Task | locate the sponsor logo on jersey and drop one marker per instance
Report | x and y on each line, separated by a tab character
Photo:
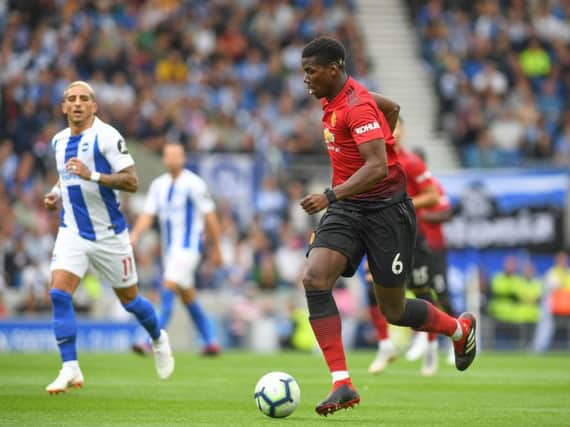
367	127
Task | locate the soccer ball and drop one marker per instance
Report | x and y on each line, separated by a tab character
277	394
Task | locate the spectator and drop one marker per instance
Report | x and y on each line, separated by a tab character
484	153
515	299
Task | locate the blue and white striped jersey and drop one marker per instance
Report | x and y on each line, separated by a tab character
90	209
180	206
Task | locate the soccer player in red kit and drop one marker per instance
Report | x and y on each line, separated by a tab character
368	212
426	194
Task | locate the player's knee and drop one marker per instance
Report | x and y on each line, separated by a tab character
314	282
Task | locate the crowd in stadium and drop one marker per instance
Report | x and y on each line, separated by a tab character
224	76
501	71
218	76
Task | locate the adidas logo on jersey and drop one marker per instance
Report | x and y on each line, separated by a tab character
367	127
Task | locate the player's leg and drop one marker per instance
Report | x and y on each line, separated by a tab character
115	262
386	350
324	267
419	283
179	274
167	299
390	260
201	321
69	264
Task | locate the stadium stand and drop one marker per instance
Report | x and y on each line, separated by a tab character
501	72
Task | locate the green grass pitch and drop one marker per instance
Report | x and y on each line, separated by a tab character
122	390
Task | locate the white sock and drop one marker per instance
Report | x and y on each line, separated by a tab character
458	334
339	375
73	364
385	344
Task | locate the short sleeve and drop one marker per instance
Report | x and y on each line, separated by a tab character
115	151
151	202
202	197
363	121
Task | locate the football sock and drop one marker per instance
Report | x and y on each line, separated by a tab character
167	298
378	319
326	325
144	312
379	322
201	321
423	316
64	325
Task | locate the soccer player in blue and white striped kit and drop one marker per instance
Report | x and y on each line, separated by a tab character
185	210
93	163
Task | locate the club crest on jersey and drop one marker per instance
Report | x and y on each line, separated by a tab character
122	146
329	136
367	127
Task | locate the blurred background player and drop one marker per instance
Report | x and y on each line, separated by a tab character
184	207
425	194
93	162
368	212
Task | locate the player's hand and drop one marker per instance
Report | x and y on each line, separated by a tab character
314	203
76	167
134	239
50	201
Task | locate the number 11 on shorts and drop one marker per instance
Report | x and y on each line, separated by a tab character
127	267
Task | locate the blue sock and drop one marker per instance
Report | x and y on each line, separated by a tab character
145	314
167	298
202	322
64	326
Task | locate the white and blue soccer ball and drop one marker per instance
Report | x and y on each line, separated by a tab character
277	394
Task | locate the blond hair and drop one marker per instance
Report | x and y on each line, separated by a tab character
79	83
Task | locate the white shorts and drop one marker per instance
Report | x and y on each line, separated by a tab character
112	258
180	267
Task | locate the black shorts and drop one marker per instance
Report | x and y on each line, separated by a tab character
385	233
438	267
422	274
430	268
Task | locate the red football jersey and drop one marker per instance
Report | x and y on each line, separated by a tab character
433	232
352	118
418	175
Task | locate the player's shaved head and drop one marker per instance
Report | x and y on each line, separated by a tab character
82	84
325	50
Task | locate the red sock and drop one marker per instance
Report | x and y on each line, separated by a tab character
379	322
432	336
327	330
438	321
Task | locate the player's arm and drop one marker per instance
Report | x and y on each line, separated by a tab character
389	108
51	198
436	217
374	169
427	198
213	235
143	223
125	180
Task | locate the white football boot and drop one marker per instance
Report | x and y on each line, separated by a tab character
68	377
163	359
418	347
431	359
386	354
